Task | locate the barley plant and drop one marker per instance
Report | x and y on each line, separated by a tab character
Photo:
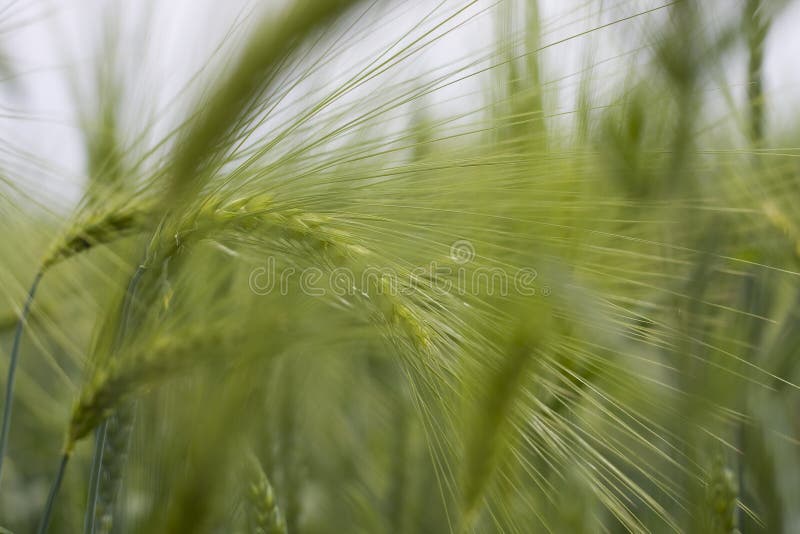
335	266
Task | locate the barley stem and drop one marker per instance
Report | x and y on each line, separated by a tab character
12	369
94	477
757	28
51	498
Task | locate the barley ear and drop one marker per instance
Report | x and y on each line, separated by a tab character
489	424
93	231
722	495
263	514
135	371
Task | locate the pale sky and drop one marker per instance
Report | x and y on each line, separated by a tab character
51	43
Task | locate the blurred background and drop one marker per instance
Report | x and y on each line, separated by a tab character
637	160
53	52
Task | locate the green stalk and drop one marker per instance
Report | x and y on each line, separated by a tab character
757	28
51	498
94	478
12	369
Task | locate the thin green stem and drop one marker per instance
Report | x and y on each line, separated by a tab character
12	369
757	28
94	478
51	498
